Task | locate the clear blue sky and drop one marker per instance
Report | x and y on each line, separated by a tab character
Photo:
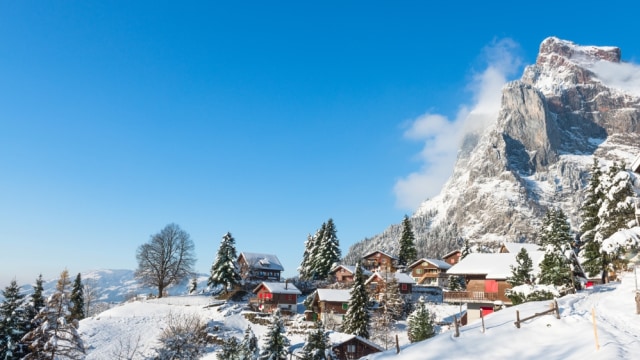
264	119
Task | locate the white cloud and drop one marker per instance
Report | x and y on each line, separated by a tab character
442	136
625	76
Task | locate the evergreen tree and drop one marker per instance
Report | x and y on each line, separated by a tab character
224	270
590	219
420	323
55	337
306	266
408	253
457	283
555	239
37	298
466	249
77	300
356	320
316	344
275	341
193	285
14	323
522	273
230	350
328	253
249	348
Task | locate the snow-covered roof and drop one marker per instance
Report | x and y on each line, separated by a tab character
493	265
517	247
351	269
437	263
381	252
334	295
337	338
262	261
402	278
279	288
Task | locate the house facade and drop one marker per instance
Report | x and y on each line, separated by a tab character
347	347
329	306
453	257
380	261
377	282
273	295
429	272
259	267
486	281
344	274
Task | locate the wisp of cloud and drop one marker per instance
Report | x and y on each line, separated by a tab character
442	136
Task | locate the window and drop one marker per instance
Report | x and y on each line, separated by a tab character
419	271
351	348
345	306
403	286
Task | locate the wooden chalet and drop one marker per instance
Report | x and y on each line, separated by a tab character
515	248
486	281
380	261
345	273
272	295
347	347
259	267
429	272
453	257
378	280
329	306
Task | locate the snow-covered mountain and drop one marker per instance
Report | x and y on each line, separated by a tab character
575	103
116	286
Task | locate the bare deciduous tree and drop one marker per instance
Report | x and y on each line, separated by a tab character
166	259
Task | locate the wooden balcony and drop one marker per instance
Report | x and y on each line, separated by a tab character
472	297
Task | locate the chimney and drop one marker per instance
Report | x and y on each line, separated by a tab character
286	284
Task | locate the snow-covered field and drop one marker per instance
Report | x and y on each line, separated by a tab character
545	337
572	337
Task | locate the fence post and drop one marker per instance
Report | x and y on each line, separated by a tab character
637	302
397	345
555	305
482	318
595	328
518	319
455	325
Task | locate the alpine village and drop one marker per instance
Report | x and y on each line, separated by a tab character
476	250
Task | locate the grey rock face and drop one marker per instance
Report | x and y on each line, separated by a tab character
537	155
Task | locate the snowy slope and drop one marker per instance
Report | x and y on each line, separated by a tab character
545	337
570	337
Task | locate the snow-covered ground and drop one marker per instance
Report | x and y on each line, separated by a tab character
570	337
545	337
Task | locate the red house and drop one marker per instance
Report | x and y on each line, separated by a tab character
272	295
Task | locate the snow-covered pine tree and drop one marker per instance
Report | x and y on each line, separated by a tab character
224	270
407	253
316	344
275	341
306	266
55	337
230	350
466	249
456	283
356	320
249	349
522	273
420	323
328	253
37	298
77	300
555	238
589	211
14	323
193	286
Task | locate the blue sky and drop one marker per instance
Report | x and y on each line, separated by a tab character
262	119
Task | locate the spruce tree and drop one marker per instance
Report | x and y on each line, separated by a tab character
14	323
328	253
275	340
306	266
522	273
408	253
230	350
77	300
590	219
420	323
555	239
249	349
193	286
466	249
356	320
55	337
224	270
316	344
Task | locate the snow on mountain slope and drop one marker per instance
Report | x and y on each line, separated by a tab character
544	337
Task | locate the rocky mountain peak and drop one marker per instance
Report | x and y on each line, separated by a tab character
555	52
